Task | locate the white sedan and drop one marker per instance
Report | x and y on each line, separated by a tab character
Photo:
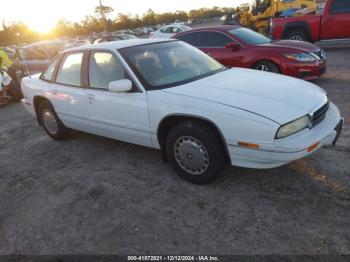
169	31
168	95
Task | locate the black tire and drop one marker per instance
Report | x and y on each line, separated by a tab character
210	144
267	66
61	132
298	36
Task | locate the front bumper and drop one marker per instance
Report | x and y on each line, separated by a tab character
28	106
292	148
306	71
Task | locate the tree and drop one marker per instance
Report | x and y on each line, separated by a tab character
124	21
103	11
18	32
92	24
63	28
149	18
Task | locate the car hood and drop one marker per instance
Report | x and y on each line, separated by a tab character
296	46
276	97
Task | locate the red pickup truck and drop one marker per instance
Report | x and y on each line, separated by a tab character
334	23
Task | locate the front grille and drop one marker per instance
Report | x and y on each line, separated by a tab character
319	115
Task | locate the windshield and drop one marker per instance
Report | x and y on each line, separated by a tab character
249	36
167	64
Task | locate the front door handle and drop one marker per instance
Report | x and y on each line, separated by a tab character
90	98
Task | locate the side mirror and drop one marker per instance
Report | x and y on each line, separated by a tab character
232	45
120	86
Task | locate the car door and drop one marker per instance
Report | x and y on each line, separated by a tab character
214	44
192	38
123	116
66	92
336	23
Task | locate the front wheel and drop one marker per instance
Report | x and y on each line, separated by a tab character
51	123
297	36
267	66
196	152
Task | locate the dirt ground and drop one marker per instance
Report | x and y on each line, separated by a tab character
91	195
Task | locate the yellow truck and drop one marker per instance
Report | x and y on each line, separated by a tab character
259	14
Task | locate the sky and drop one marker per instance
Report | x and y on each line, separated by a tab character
42	15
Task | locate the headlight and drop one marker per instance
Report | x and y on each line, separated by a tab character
303	57
271	29
271	25
293	127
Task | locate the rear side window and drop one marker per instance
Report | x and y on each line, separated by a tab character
70	70
340	6
249	36
48	74
191	38
214	39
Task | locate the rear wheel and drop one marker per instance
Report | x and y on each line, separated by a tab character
297	36
51	123
267	66
196	152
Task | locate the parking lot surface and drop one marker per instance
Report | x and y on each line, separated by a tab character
92	195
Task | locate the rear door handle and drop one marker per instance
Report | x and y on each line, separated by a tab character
54	92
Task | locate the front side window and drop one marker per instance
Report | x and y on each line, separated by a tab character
340	6
191	38
249	36
48	74
167	64
214	39
70	70
178	30
167	30
104	68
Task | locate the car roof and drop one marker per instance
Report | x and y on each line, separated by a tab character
44	43
216	28
119	44
172	25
